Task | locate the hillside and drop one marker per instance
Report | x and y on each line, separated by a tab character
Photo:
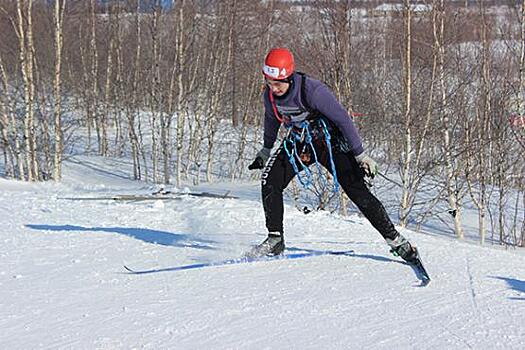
63	285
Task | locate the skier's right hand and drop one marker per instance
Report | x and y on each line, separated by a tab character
260	159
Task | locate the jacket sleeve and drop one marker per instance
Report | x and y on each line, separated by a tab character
271	124
323	100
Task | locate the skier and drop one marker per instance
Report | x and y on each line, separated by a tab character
306	106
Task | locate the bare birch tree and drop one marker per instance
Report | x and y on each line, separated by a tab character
10	129
103	117
479	133
231	61
58	19
519	132
181	46
133	113
26	47
92	112
408	151
521	108
4	131
452	185
155	92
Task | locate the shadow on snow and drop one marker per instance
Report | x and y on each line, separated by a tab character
143	234
292	253
515	284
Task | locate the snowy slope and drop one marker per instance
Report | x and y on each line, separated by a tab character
63	285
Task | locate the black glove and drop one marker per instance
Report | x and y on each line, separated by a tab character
256	164
260	159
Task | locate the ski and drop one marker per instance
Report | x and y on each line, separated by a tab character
300	253
420	271
122	198
200	265
164	195
163	192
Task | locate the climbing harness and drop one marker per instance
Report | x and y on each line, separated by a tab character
301	135
299	142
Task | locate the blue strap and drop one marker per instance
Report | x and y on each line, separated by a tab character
306	179
319	171
329	146
305	136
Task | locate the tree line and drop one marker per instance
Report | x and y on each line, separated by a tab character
438	94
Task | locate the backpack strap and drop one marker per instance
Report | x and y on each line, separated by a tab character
304	101
314	113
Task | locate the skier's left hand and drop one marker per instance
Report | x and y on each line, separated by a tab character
368	165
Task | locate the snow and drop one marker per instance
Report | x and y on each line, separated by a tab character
63	284
401	7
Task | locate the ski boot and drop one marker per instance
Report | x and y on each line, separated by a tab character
271	246
400	246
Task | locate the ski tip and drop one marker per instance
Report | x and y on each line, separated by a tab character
128	269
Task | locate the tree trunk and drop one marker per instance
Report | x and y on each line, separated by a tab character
408	151
521	104
451	178
24	10
180	110
58	21
230	62
108	94
484	131
133	112
6	145
93	103
11	127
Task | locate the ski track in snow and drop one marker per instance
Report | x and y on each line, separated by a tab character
63	285
471	288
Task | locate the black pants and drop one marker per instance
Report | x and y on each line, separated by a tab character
279	172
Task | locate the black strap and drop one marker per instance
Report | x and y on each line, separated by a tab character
304	101
315	114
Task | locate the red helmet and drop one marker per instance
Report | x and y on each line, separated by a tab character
279	64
